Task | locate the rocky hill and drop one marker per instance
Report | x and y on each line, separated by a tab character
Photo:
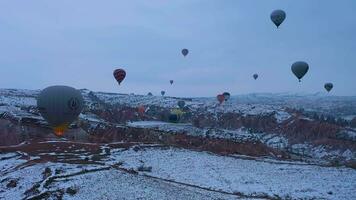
258	146
279	126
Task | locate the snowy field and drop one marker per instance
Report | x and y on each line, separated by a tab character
244	176
156	172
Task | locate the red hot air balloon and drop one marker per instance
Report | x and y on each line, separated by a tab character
119	75
141	110
221	98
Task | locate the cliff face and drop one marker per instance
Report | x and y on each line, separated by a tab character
249	129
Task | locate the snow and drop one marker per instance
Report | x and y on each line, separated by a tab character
348	155
18	97
347	135
349	117
8	161
127	186
249	177
321	152
147	124
233	105
91	117
281	116
274	140
249	104
26	178
179	174
237	135
136	100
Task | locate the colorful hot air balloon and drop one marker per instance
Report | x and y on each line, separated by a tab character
163	92
141	110
328	86
181	104
60	106
255	76
171	82
119	75
299	69
185	52
226	96
277	17
220	98
175	115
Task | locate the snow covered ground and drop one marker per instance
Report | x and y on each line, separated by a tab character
238	135
155	172
12	100
210	104
248	177
249	104
277	141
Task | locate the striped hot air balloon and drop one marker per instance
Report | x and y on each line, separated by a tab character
119	75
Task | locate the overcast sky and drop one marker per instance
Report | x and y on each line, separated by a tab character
79	43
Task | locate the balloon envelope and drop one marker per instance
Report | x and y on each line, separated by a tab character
299	69
60	106
185	52
171	82
255	76
328	86
149	94
181	104
175	115
277	17
220	98
119	75
162	93
141	110
226	96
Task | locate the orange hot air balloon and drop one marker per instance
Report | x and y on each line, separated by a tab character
59	130
119	75
141	110
221	98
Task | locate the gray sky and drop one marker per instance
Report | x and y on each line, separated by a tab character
79	43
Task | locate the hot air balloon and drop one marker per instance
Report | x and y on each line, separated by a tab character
221	98
277	17
119	75
149	94
175	115
171	82
328	86
185	52
181	104
141	110
255	76
60	106
299	69
226	96
163	92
